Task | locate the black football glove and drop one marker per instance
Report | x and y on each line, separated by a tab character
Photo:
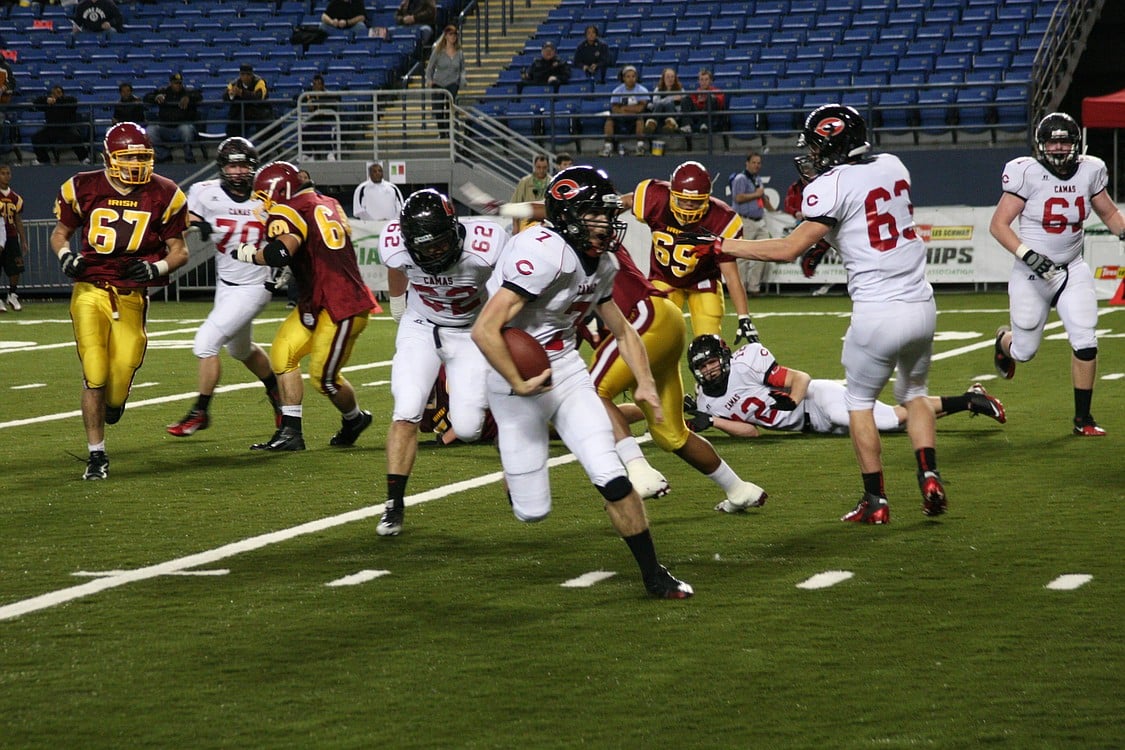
705	243
746	331
699	421
72	265
204	229
782	401
690	407
1044	267
141	270
812	257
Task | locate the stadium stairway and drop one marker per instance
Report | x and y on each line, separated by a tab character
501	48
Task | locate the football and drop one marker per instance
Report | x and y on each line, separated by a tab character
528	354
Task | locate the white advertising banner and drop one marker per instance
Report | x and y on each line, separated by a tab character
365	239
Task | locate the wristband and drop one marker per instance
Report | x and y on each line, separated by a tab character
275	253
162	267
398	306
1022	251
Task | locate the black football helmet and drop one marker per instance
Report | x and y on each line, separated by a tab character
703	349
237	151
834	134
575	193
430	230
1058	127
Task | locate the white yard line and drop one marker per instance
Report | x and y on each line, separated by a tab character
1069	582
826	579
586	580
362	576
116	579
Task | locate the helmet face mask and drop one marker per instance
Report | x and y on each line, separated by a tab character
833	134
1058	144
237	158
709	360
128	154
690	189
430	230
276	182
582	206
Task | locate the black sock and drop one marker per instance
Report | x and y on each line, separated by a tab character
954	404
873	484
927	459
1082	399
396	488
645	552
203	402
270	383
288	421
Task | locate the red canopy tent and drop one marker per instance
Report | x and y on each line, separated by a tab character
1106	111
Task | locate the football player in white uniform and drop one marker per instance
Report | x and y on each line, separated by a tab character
437	269
739	392
547	280
224	210
861	204
1052	194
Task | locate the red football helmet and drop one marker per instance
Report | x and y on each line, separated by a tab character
128	154
276	182
691	192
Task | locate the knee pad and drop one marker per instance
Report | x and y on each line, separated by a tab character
1089	354
617	489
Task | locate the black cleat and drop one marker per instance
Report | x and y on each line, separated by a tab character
97	466
664	585
285	439
350	431
113	413
391	522
982	403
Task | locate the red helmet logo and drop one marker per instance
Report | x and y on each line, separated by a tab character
829	127
563	189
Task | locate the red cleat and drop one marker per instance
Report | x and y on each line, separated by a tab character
871	509
933	493
189	425
1087	427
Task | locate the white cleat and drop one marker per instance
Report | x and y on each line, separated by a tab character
747	495
647	481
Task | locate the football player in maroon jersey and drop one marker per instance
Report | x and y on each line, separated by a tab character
685	203
132	237
309	232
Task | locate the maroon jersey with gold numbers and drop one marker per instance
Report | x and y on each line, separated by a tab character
328	275
121	227
11	204
673	263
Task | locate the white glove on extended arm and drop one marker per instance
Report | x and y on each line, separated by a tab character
247	253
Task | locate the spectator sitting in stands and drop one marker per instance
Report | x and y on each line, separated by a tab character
248	111
420	13
318	134
129	107
666	103
562	161
177	113
703	103
344	15
629	98
61	112
547	69
7	125
97	16
592	56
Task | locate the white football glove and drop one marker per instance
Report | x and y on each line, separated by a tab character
246	253
1043	266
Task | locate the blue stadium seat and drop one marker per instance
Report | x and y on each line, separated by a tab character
896	34
974	108
782	112
915	64
934	112
1011	108
894	110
